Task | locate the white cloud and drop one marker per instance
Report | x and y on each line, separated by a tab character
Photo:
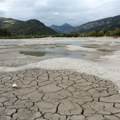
56	13
60	11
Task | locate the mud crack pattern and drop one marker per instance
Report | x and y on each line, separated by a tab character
57	95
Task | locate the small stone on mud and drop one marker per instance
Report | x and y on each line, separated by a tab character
14	85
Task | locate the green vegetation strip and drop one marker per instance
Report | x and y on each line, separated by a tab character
105	50
33	53
90	46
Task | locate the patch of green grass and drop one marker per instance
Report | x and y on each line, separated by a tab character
105	50
90	46
33	53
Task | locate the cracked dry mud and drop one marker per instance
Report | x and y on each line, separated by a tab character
57	95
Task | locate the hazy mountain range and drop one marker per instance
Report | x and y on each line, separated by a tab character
35	27
106	23
65	28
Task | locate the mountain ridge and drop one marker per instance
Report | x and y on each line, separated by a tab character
105	23
34	27
109	23
29	27
65	28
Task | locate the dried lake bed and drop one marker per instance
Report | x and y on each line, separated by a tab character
96	56
60	79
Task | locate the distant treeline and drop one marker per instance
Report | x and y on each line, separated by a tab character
4	33
100	33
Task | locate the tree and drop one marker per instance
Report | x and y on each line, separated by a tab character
4	33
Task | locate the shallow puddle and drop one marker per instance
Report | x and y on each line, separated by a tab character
54	53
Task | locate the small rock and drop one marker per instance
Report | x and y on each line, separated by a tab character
14	85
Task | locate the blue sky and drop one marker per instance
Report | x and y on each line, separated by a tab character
58	12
